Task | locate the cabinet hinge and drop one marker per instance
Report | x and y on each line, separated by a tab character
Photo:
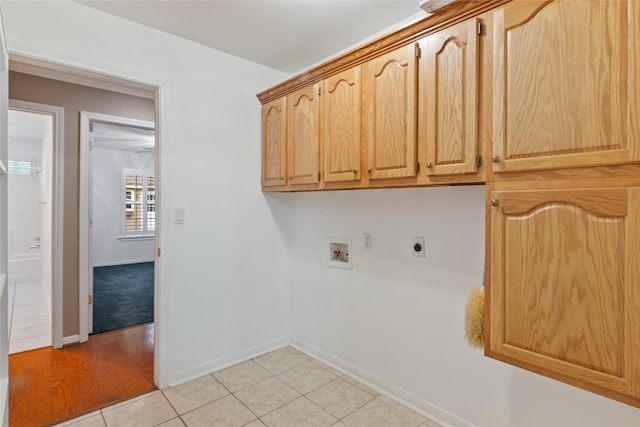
418	50
417	166
480	28
90	222
478	161
90	299
90	145
319	90
158	251
319	176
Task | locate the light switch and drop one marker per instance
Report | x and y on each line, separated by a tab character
179	216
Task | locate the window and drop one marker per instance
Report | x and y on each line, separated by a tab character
20	167
139	217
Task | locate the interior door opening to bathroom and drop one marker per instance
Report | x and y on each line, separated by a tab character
32	232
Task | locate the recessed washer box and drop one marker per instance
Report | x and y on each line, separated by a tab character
339	252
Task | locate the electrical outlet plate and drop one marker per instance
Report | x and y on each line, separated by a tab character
417	246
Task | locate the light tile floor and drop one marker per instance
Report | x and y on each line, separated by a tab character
29	318
282	388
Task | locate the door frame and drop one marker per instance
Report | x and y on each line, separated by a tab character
57	226
101	75
85	291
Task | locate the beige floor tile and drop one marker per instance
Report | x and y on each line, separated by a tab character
255	423
225	412
300	412
307	377
242	375
340	398
334	371
176	422
267	395
196	393
361	385
281	360
94	419
148	410
379	413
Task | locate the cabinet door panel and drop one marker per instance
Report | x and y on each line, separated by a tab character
563	99
564	268
274	143
341	126
449	99
303	135
390	115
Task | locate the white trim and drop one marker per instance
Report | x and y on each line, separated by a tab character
22	53
226	361
86	203
71	339
427	409
57	231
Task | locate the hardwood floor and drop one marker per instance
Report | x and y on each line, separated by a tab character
48	385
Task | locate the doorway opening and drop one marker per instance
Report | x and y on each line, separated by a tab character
34	226
118	172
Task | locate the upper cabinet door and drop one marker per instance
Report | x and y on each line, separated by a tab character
341	127
303	135
390	114
274	144
448	96
566	84
565	268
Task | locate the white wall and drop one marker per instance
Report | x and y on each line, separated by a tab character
107	207
224	274
24	195
397	321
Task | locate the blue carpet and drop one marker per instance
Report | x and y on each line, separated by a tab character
122	296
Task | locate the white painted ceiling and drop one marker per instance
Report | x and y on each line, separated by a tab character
289	36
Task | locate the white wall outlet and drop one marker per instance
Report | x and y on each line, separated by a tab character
367	241
417	246
179	216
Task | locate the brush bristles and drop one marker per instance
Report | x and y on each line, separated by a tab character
474	319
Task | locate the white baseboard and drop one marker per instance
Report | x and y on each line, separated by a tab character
72	339
226	361
412	401
123	262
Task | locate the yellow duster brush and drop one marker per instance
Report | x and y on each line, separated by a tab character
474	318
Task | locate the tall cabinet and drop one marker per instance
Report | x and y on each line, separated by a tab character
564	202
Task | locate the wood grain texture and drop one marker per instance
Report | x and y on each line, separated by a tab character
452	14
48	385
341	133
562	99
274	118
389	119
448	99
303	136
563	272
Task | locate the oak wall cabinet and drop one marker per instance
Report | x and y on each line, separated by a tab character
303	136
341	136
274	134
390	108
448	97
566	84
564	298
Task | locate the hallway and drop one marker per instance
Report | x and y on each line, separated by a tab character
49	385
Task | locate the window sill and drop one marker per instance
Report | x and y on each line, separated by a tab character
136	237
